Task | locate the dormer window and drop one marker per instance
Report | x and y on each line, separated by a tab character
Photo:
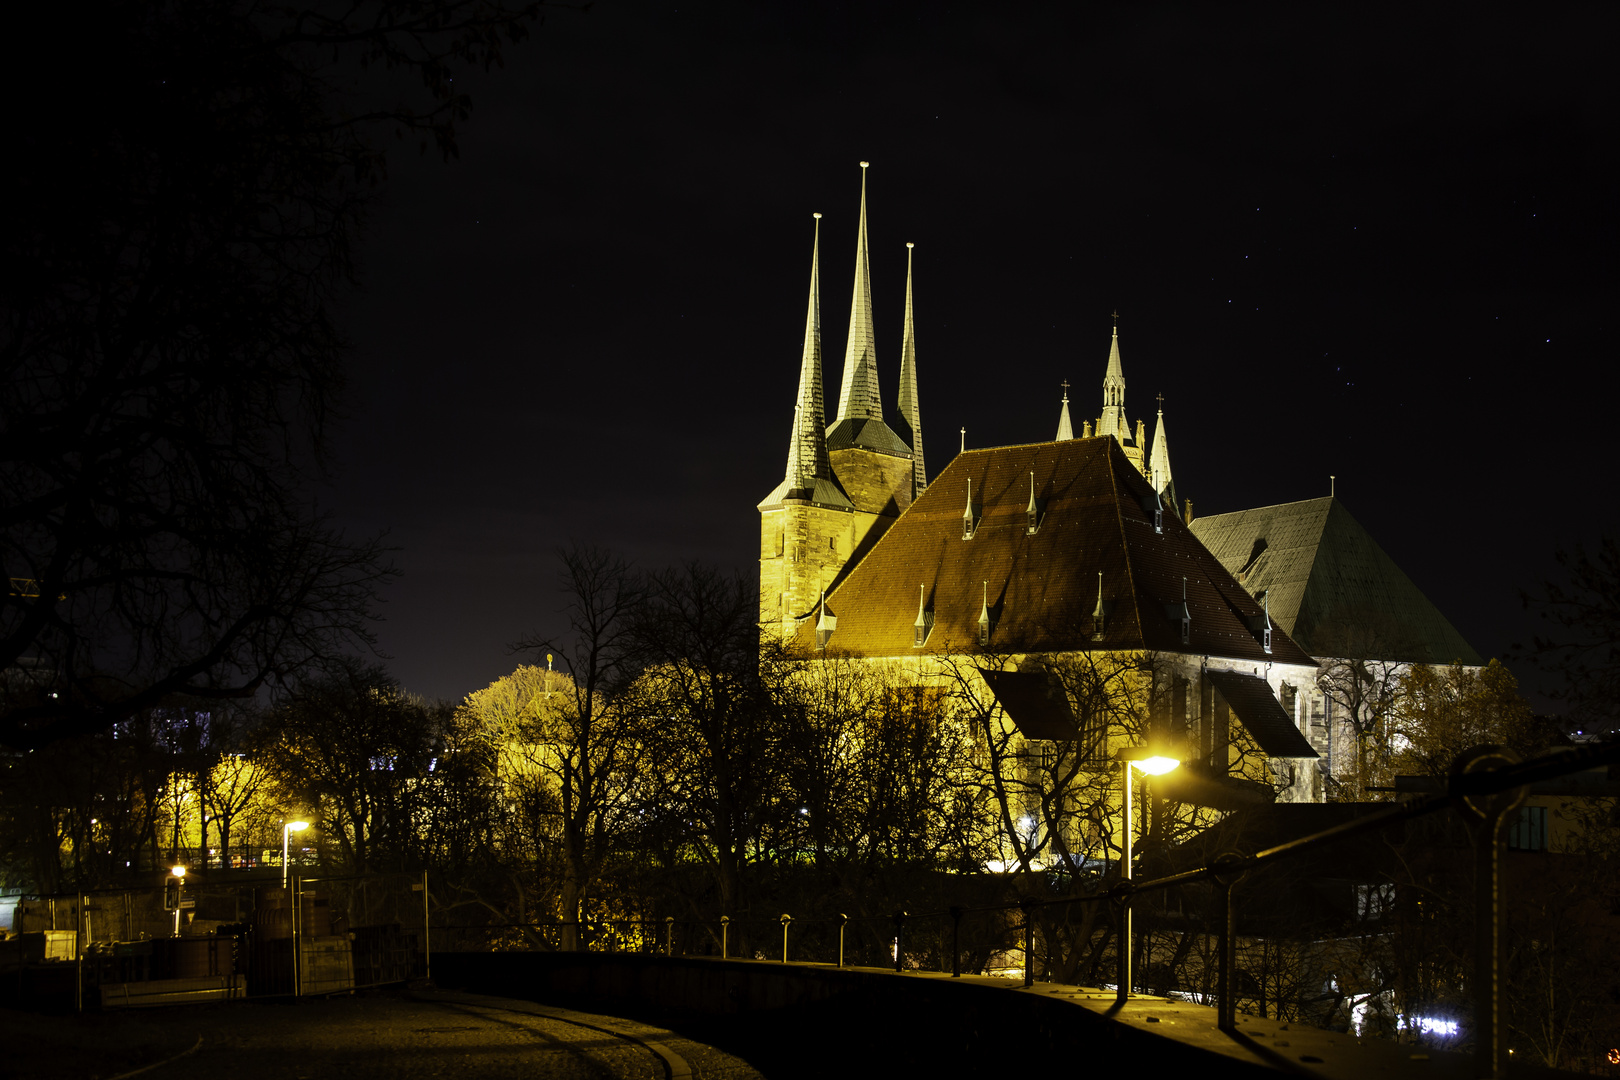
1032	513
970	517
1179	612
1153	506
925	620
984	617
1265	639
1099	615
825	625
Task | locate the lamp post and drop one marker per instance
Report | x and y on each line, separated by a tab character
1136	757
286	830
177	884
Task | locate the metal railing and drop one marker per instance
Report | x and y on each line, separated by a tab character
1485	785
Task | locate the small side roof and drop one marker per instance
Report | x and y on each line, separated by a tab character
1036	702
1251	698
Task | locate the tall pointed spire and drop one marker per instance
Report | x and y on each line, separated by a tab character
1112	421
910	410
1065	428
807	453
858	396
1161	459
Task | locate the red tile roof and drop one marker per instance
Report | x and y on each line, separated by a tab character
1096	515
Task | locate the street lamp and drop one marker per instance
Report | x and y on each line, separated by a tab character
1150	764
286	830
172	892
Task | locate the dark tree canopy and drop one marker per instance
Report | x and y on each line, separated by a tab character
185	186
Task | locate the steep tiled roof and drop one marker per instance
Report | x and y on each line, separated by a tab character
1324	570
1096	515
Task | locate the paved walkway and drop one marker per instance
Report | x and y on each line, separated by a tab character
422	1035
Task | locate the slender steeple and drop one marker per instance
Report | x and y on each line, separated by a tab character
809	469
910	411
858	396
1161	459
1112	421
1065	428
807	453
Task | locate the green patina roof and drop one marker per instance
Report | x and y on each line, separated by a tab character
1332	588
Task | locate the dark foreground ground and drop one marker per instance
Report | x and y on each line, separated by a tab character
395	1034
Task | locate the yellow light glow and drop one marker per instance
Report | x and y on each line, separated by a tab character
297	826
1156	766
178	871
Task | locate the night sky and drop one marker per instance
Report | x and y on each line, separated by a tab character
1373	245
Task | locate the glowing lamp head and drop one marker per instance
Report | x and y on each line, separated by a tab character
297	826
1156	766
178	871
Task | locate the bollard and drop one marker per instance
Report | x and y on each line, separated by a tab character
1487	814
843	921
669	935
899	941
956	941
725	925
786	919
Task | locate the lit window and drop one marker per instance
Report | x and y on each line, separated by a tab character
1529	830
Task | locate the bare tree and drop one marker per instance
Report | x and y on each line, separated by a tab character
589	739
1365	654
178	220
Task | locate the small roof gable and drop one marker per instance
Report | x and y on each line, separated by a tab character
1328	580
1251	698
1095	514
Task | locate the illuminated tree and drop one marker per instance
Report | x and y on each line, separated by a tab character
587	739
713	725
1441	711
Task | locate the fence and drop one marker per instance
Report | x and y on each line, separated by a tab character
1001	938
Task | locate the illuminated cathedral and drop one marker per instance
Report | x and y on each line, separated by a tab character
1076	544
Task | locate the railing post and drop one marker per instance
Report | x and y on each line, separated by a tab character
669	935
899	941
786	919
843	921
1226	948
1487	814
725	926
1029	941
956	941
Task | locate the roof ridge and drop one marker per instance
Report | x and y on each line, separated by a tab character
1273	506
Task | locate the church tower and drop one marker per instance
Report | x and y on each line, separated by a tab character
908	419
808	518
845	483
1160	476
872	463
1112	421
